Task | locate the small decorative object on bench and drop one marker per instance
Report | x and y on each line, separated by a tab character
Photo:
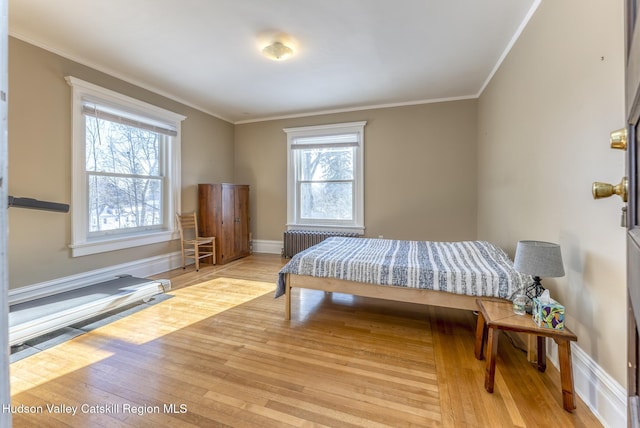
547	312
520	304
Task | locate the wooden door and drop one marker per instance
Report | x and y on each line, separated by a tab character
632	104
5	397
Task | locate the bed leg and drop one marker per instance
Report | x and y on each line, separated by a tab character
287	299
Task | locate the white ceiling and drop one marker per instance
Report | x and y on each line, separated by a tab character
350	54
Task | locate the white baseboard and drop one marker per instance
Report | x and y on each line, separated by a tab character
605	397
139	268
268	247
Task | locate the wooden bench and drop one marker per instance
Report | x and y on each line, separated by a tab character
495	316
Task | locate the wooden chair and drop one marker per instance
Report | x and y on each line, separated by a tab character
194	246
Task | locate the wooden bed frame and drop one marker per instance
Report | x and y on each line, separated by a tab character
398	294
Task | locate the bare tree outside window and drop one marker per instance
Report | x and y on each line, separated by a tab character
326	183
123	170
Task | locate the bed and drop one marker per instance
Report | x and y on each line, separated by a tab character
449	274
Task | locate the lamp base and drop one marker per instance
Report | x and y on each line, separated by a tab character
533	290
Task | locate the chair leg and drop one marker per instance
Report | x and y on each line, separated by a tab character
184	266
197	254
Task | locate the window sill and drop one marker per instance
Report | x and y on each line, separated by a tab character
120	243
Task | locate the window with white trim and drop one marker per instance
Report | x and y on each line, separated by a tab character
325	177
125	171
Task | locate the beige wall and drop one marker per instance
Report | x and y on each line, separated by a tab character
420	170
544	123
40	159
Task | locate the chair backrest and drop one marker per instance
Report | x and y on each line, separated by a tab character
188	225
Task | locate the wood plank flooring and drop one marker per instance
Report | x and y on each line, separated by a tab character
219	353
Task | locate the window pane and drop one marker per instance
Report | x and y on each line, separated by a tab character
124	203
326	164
121	149
326	201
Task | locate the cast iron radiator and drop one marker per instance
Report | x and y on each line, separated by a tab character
298	240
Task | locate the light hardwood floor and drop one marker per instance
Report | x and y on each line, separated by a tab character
219	353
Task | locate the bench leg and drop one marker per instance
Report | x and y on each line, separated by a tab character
542	353
481	335
492	349
566	374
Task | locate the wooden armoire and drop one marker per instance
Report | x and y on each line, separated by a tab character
223	212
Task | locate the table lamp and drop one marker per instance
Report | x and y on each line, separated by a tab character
538	259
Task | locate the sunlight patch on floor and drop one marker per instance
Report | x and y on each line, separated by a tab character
52	363
188	306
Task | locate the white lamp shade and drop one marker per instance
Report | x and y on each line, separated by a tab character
538	258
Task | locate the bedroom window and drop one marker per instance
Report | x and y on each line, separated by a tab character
325	189
126	171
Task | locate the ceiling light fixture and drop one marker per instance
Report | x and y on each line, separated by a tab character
277	51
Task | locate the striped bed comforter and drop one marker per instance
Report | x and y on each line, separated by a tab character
474	268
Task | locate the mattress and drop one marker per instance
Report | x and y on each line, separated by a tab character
473	268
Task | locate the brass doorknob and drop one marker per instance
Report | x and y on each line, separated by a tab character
618	139
604	190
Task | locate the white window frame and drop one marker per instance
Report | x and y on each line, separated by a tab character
293	220
81	242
